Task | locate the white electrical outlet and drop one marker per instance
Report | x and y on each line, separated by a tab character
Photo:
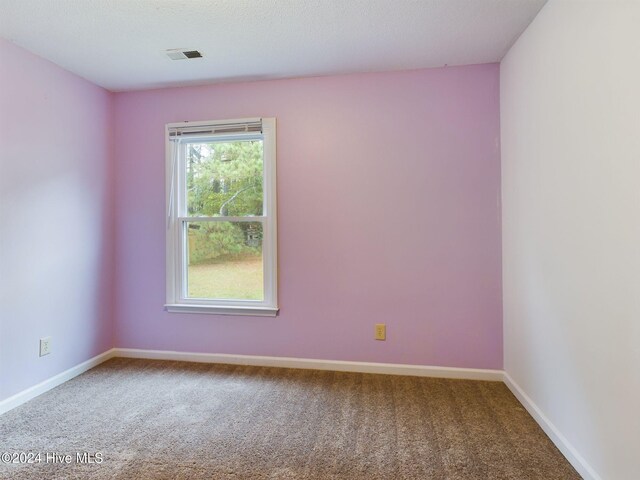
45	346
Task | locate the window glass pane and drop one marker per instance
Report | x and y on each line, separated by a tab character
224	178
225	260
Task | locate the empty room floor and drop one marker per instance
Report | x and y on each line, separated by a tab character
174	420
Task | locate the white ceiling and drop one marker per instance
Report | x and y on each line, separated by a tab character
120	44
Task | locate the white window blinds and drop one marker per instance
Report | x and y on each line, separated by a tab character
253	125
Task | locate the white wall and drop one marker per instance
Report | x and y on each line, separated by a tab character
570	121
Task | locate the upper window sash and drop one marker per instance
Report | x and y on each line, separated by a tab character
179	184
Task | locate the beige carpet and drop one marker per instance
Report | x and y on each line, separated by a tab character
170	420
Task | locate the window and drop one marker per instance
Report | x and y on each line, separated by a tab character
221	217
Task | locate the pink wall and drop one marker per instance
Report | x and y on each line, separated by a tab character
56	219
425	259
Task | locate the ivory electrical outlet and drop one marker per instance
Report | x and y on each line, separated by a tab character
381	331
45	346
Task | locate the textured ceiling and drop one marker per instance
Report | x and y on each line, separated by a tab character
120	44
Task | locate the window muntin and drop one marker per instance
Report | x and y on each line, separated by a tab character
221	241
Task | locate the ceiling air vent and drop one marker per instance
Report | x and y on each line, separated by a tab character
182	54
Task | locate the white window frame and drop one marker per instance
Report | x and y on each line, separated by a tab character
177	219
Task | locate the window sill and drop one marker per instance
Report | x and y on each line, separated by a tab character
223	310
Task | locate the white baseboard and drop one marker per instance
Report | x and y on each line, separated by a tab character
313	364
570	453
284	362
42	387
